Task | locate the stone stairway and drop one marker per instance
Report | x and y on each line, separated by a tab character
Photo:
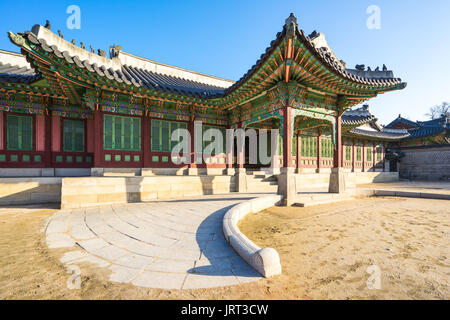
261	181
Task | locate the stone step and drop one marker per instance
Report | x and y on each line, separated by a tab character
260	172
262	188
262	183
262	178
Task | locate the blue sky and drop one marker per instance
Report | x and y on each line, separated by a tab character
225	38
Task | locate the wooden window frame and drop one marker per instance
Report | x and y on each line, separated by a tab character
132	120
20	131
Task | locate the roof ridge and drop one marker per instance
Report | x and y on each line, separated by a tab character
175	67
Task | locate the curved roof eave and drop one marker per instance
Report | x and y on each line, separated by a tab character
105	67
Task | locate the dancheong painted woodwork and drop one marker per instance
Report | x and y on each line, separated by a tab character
64	107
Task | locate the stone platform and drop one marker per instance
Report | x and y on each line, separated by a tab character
167	244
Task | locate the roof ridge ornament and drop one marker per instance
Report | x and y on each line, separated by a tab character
114	51
291	25
16	38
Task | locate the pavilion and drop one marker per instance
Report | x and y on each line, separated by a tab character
67	111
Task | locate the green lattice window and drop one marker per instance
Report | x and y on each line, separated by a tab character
294	145
379	154
121	133
224	138
161	134
309	147
19	134
73	136
358	153
348	153
326	148
369	154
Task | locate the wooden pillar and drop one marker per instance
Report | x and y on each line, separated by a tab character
229	148
287	138
363	156
192	144
146	141
299	152
192	170
374	156
2	135
337	177
337	156
353	155
240	151
319	152
47	141
98	138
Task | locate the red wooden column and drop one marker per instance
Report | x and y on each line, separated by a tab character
98	138
374	156
146	140
48	141
353	155
337	156
319	151
363	156
229	147
240	151
337	177
299	152
287	180
194	153
287	138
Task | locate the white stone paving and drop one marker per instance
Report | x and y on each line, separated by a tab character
166	244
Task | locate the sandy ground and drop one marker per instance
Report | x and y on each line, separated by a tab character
324	250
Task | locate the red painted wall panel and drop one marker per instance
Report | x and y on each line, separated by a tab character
56	134
1	130
40	133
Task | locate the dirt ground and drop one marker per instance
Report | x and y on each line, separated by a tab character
325	251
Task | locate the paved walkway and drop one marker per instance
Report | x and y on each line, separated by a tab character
442	187
168	244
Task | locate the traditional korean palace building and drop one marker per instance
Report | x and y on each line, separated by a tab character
65	110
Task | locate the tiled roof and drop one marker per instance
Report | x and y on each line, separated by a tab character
425	131
323	55
379	134
153	80
422	129
129	74
188	84
430	127
401	120
443	121
358	116
15	69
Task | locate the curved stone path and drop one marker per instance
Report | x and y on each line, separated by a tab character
175	244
